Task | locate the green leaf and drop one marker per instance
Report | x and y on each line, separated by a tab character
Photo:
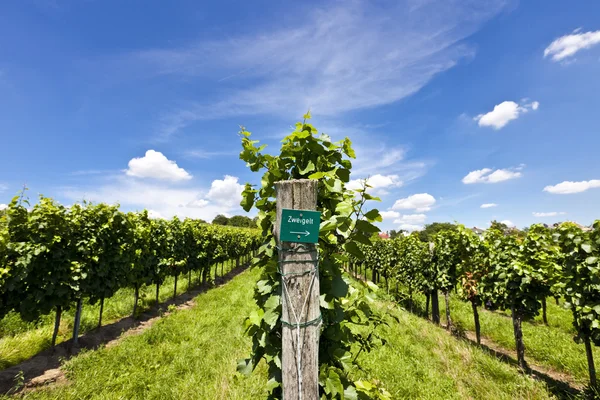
245	366
364	226
339	287
373	216
309	168
333	384
353	249
344	208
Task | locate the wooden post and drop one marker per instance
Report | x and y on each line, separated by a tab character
300	345
77	322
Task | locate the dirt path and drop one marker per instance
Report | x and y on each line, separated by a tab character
44	368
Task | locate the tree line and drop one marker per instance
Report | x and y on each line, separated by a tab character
54	257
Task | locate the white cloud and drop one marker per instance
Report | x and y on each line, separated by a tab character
227	191
3	187
155	214
3	206
389	214
361	56
487	175
567	45
411	219
204	154
165	200
155	165
377	182
419	202
507	223
569	187
503	113
410	227
548	214
199	203
488	205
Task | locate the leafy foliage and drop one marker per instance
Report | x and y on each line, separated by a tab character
52	256
581	282
348	321
430	230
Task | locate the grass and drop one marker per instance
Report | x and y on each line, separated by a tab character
550	346
421	361
192	353
20	340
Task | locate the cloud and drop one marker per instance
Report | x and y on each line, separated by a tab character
203	154
377	182
411	219
361	56
507	223
164	199
389	214
488	205
567	45
410	227
199	203
503	113
3	187
569	187
3	206
487	175
227	192
548	214
419	202
155	214
155	165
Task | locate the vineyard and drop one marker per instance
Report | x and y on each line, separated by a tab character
514	272
54	258
373	341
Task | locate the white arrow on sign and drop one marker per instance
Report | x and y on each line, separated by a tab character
305	233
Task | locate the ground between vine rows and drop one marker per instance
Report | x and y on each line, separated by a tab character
44	367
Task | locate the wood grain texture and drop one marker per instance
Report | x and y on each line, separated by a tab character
300	195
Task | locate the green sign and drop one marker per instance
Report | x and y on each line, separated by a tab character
299	226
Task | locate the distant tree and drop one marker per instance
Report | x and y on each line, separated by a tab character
426	235
396	233
508	230
500	226
240	221
220	220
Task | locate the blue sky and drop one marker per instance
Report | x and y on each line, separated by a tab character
451	105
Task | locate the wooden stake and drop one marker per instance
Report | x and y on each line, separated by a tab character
300	195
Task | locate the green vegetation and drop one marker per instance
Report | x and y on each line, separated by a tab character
241	221
191	354
20	340
549	346
54	259
509	271
345	222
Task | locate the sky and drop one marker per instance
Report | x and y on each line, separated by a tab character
466	111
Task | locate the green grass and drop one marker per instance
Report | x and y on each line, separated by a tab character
421	361
550	346
20	340
192	353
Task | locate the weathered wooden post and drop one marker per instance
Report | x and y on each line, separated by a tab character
298	263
